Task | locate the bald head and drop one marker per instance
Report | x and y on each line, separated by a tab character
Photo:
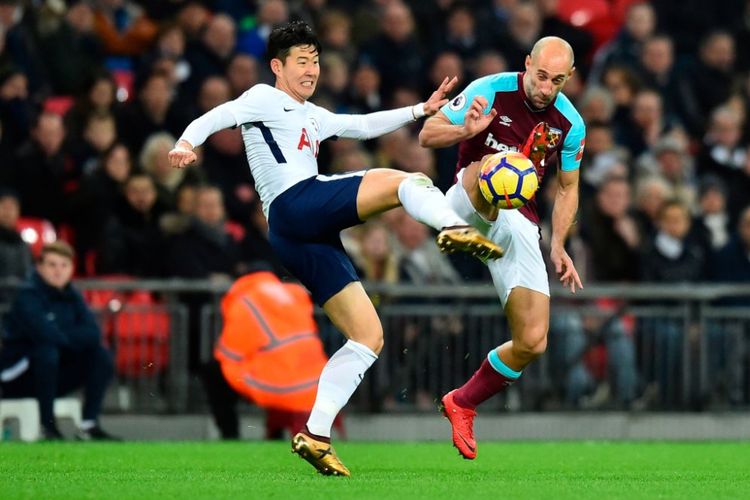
552	47
548	67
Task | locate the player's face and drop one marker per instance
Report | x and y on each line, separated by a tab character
298	75
545	77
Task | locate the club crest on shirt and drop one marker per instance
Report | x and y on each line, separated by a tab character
458	102
554	137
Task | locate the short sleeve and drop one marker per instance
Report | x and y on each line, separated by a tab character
251	106
457	107
572	150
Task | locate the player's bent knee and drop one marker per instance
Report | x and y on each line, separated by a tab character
532	343
413	180
418	179
372	339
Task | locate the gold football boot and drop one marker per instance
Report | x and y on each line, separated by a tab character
468	239
321	455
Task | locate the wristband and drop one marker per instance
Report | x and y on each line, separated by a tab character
417	111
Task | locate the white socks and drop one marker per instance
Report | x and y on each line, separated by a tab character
426	203
338	381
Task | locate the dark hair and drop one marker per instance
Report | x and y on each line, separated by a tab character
286	36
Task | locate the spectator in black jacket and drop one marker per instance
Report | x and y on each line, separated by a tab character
204	250
43	174
673	255
52	345
15	255
132	238
732	263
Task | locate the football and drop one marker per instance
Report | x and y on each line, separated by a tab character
508	180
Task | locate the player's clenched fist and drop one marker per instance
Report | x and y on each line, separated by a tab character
182	155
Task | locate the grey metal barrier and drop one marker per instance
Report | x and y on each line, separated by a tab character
610	346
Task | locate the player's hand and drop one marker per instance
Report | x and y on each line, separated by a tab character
182	155
565	268
437	100
475	120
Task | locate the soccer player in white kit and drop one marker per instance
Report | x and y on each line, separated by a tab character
306	211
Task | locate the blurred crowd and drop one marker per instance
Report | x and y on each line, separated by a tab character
94	93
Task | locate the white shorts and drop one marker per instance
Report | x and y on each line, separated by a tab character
522	265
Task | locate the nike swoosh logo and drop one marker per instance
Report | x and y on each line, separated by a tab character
470	447
288	110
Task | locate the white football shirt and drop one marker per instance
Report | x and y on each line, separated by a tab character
282	136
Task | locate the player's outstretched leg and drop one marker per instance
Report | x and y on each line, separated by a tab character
320	454
423	201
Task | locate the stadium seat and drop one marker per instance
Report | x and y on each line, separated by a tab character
58	105
26	411
36	232
141	333
235	230
125	82
135	325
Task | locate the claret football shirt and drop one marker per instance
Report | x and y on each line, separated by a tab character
515	119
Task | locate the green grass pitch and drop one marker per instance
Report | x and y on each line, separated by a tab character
403	471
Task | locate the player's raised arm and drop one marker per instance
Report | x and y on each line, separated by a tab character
381	122
462	118
197	132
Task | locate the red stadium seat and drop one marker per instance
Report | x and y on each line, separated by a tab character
58	105
36	232
235	230
141	330
136	326
125	82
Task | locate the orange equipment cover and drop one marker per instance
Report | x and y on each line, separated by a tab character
269	349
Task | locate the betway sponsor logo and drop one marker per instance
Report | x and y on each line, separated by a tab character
498	146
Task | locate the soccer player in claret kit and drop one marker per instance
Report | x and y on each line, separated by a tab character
282	132
511	112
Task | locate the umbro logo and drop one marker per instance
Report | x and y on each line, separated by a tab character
504	120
